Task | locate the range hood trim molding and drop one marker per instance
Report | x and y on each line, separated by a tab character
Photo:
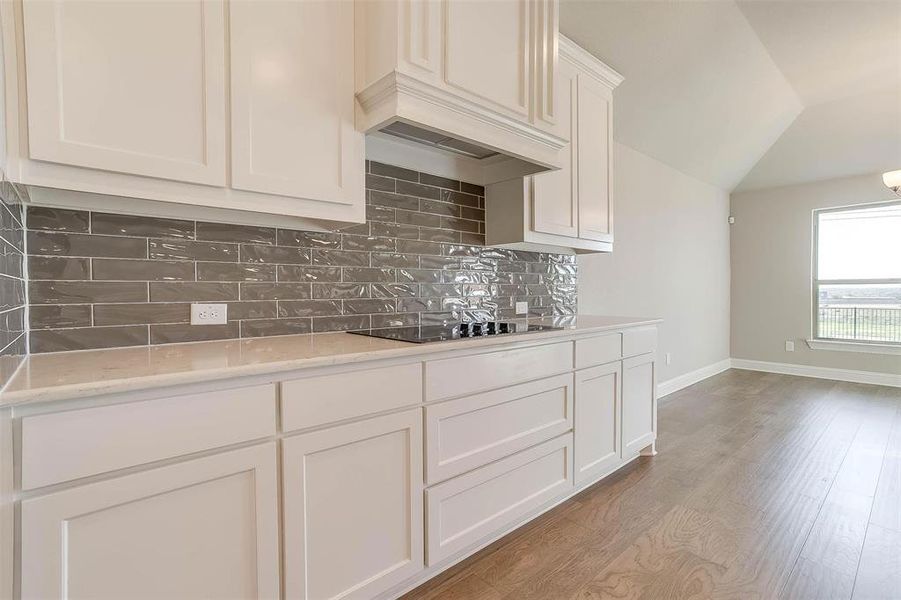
396	89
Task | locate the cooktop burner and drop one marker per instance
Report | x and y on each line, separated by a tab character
440	333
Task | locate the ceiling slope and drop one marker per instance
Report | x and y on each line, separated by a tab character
701	92
843	58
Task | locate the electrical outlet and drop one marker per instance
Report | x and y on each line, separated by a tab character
209	314
789	346
522	308
668	358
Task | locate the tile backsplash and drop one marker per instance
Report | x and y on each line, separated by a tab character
13	339
104	280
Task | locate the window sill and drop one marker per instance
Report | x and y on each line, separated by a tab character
866	347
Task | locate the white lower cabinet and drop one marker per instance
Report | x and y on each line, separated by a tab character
205	528
597	422
352	507
471	507
639	403
469	432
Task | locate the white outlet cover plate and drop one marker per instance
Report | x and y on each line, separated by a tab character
522	308
209	314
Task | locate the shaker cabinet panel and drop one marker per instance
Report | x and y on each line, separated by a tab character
353	507
292	95
555	197
105	92
487	46
639	403
594	157
597	427
206	528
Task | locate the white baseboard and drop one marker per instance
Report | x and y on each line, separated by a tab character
818	372
683	381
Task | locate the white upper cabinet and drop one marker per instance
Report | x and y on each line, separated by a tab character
293	100
555	200
107	89
594	158
473	78
571	207
237	111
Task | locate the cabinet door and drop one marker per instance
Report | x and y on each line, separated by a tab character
555	198
132	87
206	528
292	93
486	51
597	425
353	507
639	403
594	151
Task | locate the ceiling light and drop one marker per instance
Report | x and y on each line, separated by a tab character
892	180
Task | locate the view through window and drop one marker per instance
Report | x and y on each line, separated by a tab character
857	273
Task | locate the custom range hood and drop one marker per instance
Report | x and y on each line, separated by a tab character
462	87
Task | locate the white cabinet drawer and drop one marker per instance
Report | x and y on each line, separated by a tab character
469	508
470	432
451	377
599	350
63	446
640	340
328	398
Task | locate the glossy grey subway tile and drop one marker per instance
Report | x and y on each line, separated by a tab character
57	219
82	338
419	258
275	291
164	291
214	271
135	314
54	316
267	327
58	268
191	250
254	253
114	224
83	244
221	232
123	269
73	292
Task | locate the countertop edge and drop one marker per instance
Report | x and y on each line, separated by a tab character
75	391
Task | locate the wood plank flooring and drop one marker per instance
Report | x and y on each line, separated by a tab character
765	486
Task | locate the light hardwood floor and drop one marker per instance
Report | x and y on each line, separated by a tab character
765	486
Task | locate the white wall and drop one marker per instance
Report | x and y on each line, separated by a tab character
771	271
670	260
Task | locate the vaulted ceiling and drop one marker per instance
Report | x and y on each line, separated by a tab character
754	93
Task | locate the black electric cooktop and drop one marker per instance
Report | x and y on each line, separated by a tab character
442	333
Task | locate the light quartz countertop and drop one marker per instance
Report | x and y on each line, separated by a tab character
78	374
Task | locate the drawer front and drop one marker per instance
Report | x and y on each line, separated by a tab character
325	399
599	350
640	340
452	377
469	432
63	446
469	508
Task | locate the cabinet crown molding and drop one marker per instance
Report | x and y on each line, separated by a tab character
588	62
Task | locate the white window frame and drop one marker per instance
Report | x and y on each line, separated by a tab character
845	345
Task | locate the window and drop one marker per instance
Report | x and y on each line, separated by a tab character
857	274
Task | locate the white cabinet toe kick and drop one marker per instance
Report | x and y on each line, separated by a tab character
356	480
